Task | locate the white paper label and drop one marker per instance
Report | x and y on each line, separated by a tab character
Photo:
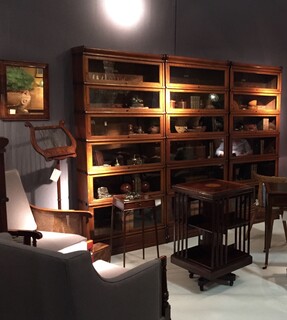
55	175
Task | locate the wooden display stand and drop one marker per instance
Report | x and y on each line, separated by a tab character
46	146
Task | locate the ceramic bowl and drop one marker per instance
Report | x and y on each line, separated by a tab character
180	129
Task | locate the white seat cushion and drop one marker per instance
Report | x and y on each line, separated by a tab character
63	242
108	270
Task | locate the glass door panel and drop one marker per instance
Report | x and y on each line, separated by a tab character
121	72
189	75
188	150
251	80
119	100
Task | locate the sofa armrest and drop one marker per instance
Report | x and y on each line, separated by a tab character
139	293
139	271
142	271
58	220
165	293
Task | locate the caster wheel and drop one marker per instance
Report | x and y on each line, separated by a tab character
201	282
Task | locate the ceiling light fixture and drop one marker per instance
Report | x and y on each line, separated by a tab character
124	13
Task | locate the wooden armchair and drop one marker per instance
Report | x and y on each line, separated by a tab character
258	210
58	230
54	229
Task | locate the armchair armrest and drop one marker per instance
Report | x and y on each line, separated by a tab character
27	236
58	220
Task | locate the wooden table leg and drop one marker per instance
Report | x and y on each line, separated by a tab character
125	213
155	229
143	223
112	229
268	231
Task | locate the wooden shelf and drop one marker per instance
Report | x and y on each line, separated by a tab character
197	261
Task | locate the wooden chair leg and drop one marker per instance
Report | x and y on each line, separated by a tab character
252	219
285	228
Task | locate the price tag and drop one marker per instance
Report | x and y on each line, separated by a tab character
55	175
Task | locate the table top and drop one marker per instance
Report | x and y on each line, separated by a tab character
144	201
212	189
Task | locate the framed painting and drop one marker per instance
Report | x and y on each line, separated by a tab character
24	91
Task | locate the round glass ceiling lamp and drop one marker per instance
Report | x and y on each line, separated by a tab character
124	13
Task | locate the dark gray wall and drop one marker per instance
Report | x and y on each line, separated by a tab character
44	31
248	31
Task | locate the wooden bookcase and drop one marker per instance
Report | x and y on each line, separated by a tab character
255	99
159	120
120	121
197	93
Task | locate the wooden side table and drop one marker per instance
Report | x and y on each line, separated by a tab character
276	195
222	218
126	206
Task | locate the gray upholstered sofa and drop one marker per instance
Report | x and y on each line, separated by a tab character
40	284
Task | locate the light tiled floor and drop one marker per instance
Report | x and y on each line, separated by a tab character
256	293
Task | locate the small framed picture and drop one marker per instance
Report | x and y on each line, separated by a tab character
24	90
